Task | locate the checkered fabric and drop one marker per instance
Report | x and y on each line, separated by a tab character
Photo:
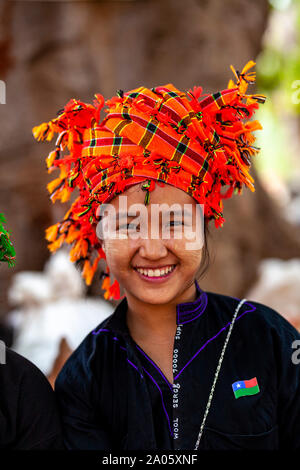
196	142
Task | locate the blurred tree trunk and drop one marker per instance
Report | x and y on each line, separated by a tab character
254	229
73	50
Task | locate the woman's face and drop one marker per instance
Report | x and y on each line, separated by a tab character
149	244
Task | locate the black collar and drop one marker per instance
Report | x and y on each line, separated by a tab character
189	311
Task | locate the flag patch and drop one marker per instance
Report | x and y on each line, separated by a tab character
243	388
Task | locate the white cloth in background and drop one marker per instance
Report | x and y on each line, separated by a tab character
40	329
51	305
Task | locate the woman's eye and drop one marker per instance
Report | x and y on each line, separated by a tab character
128	226
177	222
134	227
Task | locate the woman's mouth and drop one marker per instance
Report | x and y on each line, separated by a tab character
156	275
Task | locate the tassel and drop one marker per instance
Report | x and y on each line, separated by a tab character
105	286
120	185
51	157
98	104
73	234
51	232
89	271
114	291
57	243
53	185
79	250
44	131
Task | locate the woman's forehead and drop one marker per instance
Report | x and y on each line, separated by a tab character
165	193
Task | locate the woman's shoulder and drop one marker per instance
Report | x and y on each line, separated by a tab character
254	313
19	370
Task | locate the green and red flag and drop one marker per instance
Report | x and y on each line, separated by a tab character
244	388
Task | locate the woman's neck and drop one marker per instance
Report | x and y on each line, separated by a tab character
146	320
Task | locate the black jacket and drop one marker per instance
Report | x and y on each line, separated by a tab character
28	415
111	395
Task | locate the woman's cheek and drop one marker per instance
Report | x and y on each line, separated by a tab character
117	252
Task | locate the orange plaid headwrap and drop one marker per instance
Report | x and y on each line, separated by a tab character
192	141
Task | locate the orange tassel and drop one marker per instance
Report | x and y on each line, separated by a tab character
89	271
79	250
51	232
64	195
53	184
106	283
57	243
114	291
73	233
50	159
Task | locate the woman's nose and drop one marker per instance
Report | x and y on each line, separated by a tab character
152	248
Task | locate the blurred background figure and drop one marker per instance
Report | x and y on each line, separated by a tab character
52	316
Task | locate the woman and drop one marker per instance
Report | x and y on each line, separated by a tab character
174	367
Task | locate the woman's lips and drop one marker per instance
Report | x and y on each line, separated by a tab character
156	279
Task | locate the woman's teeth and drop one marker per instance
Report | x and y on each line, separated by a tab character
156	272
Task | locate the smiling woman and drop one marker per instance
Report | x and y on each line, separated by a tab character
126	234
161	372
156	273
155	252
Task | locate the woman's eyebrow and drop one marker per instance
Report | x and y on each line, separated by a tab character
185	212
122	215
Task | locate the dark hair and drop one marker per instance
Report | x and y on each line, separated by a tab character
205	261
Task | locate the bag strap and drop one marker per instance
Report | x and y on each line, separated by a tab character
217	372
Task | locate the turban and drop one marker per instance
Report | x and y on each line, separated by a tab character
196	142
7	251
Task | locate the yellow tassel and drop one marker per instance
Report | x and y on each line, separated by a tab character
70	140
64	195
50	159
56	196
234	72
73	233
243	87
86	272
51	131
248	66
89	271
255	98
39	131
56	244
51	169
53	184
51	232
253	126
44	131
106	295
79	250
231	84
106	285
240	82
